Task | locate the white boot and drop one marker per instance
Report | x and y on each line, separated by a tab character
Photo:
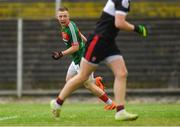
123	115
55	108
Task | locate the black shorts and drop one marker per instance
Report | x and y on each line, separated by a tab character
99	48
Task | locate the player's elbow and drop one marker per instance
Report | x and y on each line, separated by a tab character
75	48
120	21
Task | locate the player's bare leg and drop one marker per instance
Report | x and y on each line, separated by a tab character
94	89
77	80
96	86
110	105
89	84
98	91
120	72
71	86
120	89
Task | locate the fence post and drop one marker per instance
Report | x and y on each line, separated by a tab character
57	5
19	56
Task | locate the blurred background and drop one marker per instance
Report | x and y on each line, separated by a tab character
29	32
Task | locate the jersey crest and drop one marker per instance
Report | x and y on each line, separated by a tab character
65	36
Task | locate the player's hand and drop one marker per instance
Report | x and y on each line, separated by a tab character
57	55
142	30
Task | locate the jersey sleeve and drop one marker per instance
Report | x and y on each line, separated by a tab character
74	34
122	6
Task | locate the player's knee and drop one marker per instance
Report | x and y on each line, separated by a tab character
124	74
121	74
87	85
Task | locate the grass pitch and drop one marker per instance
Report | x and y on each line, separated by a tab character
81	114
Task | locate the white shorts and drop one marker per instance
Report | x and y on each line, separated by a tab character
75	68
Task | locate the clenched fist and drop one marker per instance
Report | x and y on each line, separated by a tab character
57	55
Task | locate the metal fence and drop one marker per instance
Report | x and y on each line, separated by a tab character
152	63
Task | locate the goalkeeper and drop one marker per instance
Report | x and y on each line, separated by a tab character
74	41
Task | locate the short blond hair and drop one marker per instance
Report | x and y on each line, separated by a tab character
63	9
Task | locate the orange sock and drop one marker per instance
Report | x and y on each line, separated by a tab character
99	83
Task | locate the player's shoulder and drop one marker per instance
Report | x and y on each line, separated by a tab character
72	23
119	1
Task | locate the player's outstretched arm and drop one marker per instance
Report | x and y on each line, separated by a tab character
121	23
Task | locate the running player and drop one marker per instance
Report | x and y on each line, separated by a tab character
74	41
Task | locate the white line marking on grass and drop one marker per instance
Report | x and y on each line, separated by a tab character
8	117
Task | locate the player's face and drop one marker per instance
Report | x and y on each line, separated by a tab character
63	17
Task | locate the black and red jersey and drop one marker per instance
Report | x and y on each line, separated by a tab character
105	27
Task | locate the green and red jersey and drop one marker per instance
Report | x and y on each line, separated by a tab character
71	36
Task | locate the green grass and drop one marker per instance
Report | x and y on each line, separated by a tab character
88	114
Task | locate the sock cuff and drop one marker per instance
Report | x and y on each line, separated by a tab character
119	108
109	102
59	101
